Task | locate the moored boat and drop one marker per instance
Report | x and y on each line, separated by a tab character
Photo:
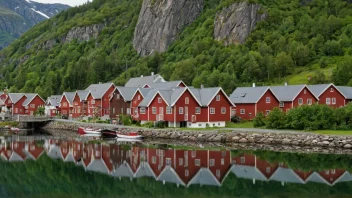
82	131
129	135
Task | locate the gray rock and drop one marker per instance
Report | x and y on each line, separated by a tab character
243	140
84	33
161	21
325	142
234	24
347	146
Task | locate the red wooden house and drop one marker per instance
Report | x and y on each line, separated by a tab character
137	98
32	103
266	168
66	104
120	101
346	92
79	104
145	81
33	150
52	105
159	159
24	103
219	163
329	94
251	100
98	99
244	159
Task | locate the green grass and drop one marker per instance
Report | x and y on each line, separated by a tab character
305	73
333	132
239	125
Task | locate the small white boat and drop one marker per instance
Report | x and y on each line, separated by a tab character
128	140
129	135
14	129
83	131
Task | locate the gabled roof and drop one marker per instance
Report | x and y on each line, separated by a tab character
144	91
204	177
30	97
69	96
289	92
15	97
286	175
317	178
166	85
248	172
345	177
144	170
170	96
144	80
98	165
345	91
248	94
124	170
54	151
54	100
82	94
169	175
127	92
205	96
317	90
98	90
15	157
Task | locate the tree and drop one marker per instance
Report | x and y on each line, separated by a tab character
283	64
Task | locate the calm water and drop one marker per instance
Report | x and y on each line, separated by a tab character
53	167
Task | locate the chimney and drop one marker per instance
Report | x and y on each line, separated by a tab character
285	83
152	73
202	86
141	76
253	85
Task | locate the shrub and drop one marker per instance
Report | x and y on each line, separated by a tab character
126	119
258	121
276	119
148	125
235	119
161	124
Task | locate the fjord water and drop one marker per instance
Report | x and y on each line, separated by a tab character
54	167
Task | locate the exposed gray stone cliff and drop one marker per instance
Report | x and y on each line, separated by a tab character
234	24
160	21
84	33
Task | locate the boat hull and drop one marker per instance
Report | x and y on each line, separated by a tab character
129	136
83	131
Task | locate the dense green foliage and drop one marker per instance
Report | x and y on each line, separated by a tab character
311	117
296	34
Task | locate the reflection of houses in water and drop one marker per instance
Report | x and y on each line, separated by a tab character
180	167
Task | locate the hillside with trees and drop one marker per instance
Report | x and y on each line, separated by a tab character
297	36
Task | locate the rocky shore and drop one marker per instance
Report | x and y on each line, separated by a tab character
293	140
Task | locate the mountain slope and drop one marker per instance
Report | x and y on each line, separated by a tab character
17	16
93	43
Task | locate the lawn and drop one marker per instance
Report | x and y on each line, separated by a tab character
239	125
333	132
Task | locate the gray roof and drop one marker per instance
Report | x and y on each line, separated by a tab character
127	92
29	98
169	95
124	170
54	100
98	90
145	80
315	177
287	93
15	97
54	151
248	94
82	94
69	96
144	170
286	175
345	177
204	177
98	165
1	92
248	172
166	85
205	95
15	157
317	90
346	91
169	175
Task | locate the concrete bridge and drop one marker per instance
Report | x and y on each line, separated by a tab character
32	121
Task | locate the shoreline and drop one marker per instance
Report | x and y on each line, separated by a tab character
266	140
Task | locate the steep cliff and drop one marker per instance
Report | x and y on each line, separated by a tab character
160	21
234	24
17	16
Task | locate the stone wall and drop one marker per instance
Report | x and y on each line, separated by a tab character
255	138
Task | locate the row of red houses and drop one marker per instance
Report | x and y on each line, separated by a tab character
182	167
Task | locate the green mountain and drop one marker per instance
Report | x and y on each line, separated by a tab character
301	41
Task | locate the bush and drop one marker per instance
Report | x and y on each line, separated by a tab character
235	119
148	125
161	124
258	121
126	120
276	119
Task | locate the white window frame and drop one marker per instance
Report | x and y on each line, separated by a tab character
180	161
218	97
328	101
186	173
142	110
93	101
300	101
180	110
212	110
268	100
243	160
159	100
243	111
117	96
223	110
333	101
222	161
309	101
153	159
332	89
267	112
268	169
198	110
168	110
187	100
197	162
32	106
218	173
281	104
212	162
153	110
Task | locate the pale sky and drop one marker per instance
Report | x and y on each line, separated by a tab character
67	2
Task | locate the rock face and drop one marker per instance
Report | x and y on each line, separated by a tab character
84	33
160	21
234	24
17	16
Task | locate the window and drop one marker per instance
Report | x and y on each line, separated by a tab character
212	110
309	101
117	96
168	110
212	162
186	100
128	111
268	170
222	161
121	110
197	162
242	111
153	160
300	101
159	100
153	110
281	104
180	162
139	97
180	110
32	105
333	171
218	98
16	110
267	99
243	160
65	104
218	173
333	100
327	101
331	89
186	173
197	110
142	110
53	111
193	154
93	101
327	172
223	110
267	112
168	161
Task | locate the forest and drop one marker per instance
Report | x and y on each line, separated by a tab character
298	35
